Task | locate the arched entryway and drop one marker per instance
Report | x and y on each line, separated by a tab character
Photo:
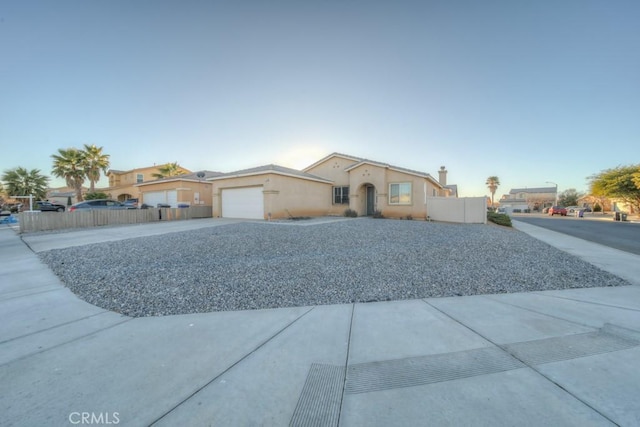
371	199
367	195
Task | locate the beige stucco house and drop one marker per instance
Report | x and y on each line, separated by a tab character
328	187
529	199
191	189
122	184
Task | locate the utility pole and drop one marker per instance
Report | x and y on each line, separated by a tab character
556	201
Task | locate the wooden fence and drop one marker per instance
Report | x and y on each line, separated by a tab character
47	221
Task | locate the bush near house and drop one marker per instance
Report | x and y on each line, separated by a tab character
350	213
500	219
96	196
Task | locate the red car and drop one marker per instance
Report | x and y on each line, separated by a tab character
559	210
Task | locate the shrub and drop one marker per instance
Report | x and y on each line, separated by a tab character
409	217
350	213
378	214
500	219
597	208
94	196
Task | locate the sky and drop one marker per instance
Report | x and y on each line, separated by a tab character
533	92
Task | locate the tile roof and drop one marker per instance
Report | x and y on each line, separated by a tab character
533	190
361	160
271	169
186	177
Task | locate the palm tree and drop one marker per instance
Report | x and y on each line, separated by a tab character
170	169
493	182
70	165
95	162
21	182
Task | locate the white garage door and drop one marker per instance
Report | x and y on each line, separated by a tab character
243	203
168	197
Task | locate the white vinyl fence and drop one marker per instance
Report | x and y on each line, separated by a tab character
468	210
46	221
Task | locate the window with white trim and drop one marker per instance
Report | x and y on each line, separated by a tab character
400	193
340	195
139	178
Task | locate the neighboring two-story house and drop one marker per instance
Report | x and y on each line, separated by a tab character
122	184
529	199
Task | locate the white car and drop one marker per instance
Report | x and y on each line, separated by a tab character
573	209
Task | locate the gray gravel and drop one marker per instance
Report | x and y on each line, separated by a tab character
265	265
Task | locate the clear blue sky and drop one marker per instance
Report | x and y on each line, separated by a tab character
530	91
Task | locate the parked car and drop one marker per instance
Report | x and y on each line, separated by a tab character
98	204
572	209
131	203
559	210
12	207
44	206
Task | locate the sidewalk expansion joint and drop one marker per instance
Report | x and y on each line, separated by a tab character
631	337
320	402
53	288
588	302
58	326
62	343
230	367
532	310
322	381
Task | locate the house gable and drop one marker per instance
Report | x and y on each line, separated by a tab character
334	168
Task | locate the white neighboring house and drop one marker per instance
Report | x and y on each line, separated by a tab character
528	199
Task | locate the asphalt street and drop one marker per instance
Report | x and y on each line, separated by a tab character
624	236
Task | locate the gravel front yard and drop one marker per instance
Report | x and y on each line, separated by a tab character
265	265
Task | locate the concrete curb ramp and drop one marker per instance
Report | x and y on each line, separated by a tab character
561	358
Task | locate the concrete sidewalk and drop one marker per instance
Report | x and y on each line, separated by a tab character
556	358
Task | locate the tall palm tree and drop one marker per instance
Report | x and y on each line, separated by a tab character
70	165
493	182
22	182
95	162
170	169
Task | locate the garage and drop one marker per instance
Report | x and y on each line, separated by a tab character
247	202
167	197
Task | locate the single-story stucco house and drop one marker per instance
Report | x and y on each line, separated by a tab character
328	187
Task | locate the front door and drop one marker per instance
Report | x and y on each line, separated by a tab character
371	198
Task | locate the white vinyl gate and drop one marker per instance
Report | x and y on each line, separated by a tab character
167	197
247	202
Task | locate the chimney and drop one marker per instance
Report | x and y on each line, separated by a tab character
442	176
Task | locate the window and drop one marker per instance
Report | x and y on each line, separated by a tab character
340	195
400	194
139	178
